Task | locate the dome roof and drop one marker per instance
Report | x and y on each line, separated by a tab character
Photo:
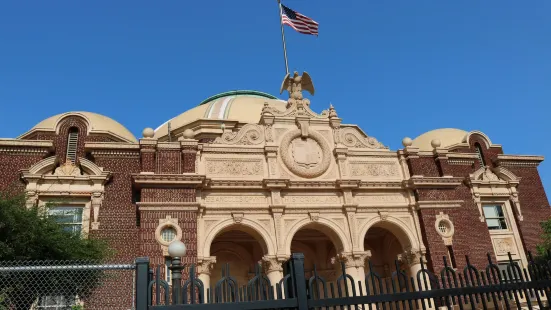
447	137
97	123
244	106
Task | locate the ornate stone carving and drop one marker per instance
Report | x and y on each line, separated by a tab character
206	265
444	227
237	217
314	216
351	137
503	246
488	175
271	264
308	158
235	167
411	257
350	260
383	215
68	168
250	134
374	169
97	199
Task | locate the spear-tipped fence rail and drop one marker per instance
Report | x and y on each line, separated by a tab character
511	287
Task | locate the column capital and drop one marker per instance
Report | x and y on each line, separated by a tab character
205	265
412	257
356	259
272	263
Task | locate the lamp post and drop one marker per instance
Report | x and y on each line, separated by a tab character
176	250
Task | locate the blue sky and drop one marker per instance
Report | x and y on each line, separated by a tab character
397	68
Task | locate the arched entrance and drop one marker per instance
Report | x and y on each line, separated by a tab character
385	251
391	248
320	245
239	249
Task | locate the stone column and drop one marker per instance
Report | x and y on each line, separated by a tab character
274	270
354	266
413	259
204	269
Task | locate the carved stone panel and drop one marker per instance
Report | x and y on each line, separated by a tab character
307	157
374	169
234	167
309	199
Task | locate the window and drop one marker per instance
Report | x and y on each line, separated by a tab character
168	272
495	218
451	256
72	143
54	303
504	274
168	234
69	217
480	155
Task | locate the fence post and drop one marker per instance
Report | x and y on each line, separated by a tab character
297	270
142	282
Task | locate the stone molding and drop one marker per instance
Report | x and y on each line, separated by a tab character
68	181
430	204
205	265
184	180
416	182
25	147
519	160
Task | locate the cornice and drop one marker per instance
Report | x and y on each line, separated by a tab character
275	183
168	145
229	184
348	183
111	146
221	149
381	184
519	160
25	147
416	182
173	180
461	159
425	204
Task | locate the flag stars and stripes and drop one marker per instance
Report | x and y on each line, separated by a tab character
297	21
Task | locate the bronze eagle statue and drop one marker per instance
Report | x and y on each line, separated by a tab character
296	83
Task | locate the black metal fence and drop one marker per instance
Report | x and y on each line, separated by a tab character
53	285
504	286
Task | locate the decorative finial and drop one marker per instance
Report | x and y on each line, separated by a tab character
407	142
435	143
332	111
148	133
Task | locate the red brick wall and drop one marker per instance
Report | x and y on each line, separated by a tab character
10	166
168	161
533	204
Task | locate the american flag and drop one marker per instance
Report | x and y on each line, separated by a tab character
297	21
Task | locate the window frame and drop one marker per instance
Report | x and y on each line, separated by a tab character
501	219
84	202
73	223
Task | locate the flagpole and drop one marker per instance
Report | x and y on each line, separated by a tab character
283	37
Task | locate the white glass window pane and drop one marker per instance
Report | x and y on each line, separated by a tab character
493	223
490	212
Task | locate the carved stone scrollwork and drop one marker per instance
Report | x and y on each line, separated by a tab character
271	264
67	169
31	198
411	257
206	265
308	158
355	260
250	134
352	138
97	199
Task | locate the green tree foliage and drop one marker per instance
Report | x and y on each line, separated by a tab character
544	248
27	234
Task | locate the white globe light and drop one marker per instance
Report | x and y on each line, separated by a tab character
177	249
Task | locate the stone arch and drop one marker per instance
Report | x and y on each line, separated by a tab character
44	166
398	228
488	143
60	122
233	248
328	227
259	232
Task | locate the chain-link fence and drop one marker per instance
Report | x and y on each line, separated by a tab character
61	285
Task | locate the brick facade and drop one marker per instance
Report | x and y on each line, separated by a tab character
143	190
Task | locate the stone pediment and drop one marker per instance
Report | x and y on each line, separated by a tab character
493	175
49	168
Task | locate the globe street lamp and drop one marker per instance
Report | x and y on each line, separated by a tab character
176	250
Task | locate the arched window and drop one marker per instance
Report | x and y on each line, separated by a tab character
72	142
480	155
